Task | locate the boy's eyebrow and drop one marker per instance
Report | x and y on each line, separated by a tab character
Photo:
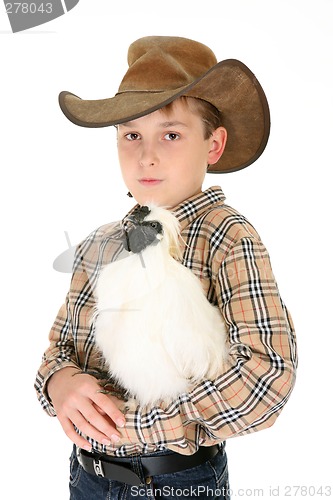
162	125
172	124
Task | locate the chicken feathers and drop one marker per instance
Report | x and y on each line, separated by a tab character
153	323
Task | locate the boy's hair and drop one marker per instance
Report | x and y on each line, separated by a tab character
211	116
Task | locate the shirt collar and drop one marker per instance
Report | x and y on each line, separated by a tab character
198	204
193	207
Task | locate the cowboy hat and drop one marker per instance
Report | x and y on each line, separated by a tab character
161	69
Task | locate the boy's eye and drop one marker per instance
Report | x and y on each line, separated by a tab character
171	136
132	136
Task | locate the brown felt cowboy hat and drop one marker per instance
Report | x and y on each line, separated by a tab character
163	68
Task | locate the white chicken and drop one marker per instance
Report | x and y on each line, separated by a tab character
153	323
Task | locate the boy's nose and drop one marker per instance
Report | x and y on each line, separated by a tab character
148	164
148	157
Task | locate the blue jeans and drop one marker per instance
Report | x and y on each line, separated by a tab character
206	481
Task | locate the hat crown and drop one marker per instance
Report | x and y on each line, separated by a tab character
159	63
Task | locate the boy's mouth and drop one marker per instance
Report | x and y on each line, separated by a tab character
148	181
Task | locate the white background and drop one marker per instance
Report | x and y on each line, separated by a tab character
57	177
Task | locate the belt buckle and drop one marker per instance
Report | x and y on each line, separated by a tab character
98	468
97	464
78	455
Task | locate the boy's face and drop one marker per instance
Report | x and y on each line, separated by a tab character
164	157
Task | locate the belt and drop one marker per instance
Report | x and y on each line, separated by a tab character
120	469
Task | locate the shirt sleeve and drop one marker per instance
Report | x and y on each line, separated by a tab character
69	337
263	359
58	355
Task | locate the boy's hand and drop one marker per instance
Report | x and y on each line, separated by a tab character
78	401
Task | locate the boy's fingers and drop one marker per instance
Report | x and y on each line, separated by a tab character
83	407
81	423
106	404
70	432
95	425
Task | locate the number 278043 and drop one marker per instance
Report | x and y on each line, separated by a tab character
28	8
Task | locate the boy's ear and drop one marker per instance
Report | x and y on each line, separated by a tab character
218	141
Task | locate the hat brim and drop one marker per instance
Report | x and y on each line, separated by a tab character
229	85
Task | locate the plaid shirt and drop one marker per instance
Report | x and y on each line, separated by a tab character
226	253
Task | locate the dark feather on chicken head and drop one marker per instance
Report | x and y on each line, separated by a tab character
141	233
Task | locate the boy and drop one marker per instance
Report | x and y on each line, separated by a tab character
173	112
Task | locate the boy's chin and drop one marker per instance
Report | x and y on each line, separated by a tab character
146	199
162	198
